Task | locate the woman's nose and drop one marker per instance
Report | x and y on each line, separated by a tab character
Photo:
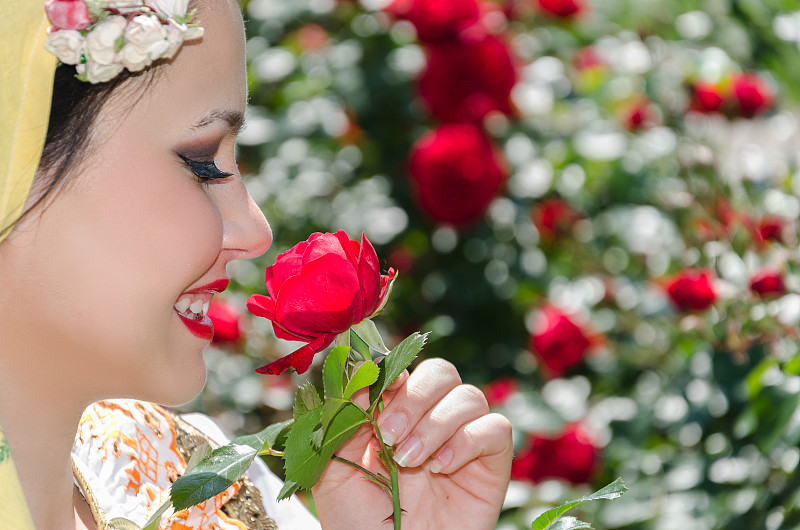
245	229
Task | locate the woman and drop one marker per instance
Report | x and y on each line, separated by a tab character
136	208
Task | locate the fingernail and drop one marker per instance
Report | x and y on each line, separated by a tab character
441	461
392	428
408	452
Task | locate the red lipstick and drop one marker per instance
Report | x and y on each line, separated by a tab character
202	329
217	286
201	326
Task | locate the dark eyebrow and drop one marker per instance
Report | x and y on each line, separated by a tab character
234	119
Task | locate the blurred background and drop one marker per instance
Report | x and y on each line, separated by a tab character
593	209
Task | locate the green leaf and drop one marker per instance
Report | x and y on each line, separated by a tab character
275	435
199	454
304	463
120	523
219	470
306	398
395	362
333	372
570	523
152	523
368	332
366	374
612	491
289	488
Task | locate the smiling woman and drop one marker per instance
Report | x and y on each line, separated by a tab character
110	261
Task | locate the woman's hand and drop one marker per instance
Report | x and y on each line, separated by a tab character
455	457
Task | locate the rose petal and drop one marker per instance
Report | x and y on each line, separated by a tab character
370	278
261	306
322	299
300	359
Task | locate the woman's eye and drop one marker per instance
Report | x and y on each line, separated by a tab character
205	170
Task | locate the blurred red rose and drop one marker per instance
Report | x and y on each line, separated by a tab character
318	289
751	94
770	228
456	173
226	319
586	58
553	217
639	115
570	456
467	79
435	20
558	341
707	98
692	290
312	37
562	8
499	390
767	282
68	14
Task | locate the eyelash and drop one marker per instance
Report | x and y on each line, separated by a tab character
205	170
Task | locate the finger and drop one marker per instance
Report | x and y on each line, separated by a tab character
487	438
427	385
463	404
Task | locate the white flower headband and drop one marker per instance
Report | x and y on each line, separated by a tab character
103	37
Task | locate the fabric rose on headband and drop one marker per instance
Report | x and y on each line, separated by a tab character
103	37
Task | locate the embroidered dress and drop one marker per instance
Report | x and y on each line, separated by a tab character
127	454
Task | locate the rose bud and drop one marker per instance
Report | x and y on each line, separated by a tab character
554	217
68	14
318	289
467	79
456	173
562	8
569	456
498	391
752	95
692	290
706	98
767	282
226	320
558	341
437	21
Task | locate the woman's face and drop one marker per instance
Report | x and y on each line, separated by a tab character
105	283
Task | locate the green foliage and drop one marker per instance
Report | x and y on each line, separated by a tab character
551	519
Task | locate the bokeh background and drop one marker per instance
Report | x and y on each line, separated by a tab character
593	208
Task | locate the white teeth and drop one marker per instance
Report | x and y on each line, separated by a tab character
183	305
197	306
205	308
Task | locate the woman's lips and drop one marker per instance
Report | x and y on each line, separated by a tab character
192	306
202	329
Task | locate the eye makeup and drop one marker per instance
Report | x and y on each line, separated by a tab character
204	170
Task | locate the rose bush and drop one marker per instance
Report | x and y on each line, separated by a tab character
435	20
318	289
569	455
558	341
455	172
466	79
692	290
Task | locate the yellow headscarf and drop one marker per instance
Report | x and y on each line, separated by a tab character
26	83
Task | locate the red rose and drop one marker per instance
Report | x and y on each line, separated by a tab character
767	282
318	289
455	172
499	390
553	217
436	20
751	94
68	14
558	341
771	228
225	318
466	79
562	8
587	58
639	115
692	290
706	98
570	456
